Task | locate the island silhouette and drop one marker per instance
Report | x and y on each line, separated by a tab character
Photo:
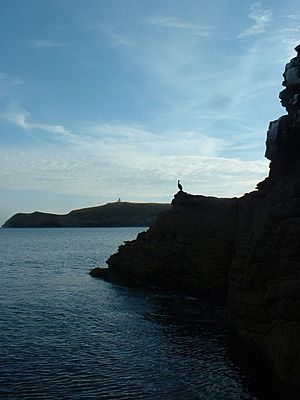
117	214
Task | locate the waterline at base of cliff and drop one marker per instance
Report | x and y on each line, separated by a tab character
244	251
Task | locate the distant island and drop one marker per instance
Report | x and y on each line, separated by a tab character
119	214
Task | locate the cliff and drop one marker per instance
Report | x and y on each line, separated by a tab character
185	250
109	215
244	251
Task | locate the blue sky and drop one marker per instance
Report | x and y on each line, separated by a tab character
102	99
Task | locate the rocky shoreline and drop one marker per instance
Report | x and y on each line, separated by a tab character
244	251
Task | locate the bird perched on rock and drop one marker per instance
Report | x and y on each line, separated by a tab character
179	186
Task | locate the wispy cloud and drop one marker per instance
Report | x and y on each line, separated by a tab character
289	30
9	79
7	82
193	82
112	32
117	156
176	23
112	160
165	143
262	17
22	119
123	138
44	44
132	178
117	39
196	108
295	17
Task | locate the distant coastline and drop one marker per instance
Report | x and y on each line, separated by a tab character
119	214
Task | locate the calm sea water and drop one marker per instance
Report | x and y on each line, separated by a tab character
65	335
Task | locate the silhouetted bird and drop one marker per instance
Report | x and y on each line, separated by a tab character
179	186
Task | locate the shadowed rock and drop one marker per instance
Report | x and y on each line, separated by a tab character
185	250
100	273
245	251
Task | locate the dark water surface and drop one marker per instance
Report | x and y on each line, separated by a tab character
65	335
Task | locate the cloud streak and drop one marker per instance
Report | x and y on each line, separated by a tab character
175	23
198	86
126	160
8	82
294	17
113	137
262	17
134	178
44	44
22	119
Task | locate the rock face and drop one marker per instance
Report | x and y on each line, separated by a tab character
264	277
189	248
245	251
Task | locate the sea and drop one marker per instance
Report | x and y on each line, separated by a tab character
66	335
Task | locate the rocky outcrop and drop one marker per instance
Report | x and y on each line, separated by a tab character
245	251
189	249
119	214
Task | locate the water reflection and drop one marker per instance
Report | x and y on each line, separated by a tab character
67	336
192	345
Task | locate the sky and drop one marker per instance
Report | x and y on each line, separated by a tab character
108	99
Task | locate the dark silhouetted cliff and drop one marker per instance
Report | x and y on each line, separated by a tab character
245	250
